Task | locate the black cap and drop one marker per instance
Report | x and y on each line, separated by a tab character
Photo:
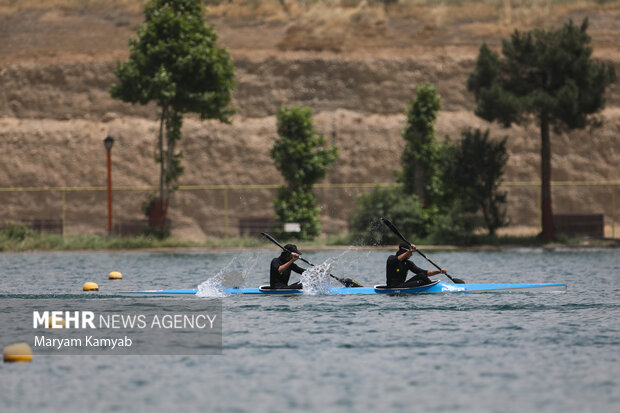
404	246
292	248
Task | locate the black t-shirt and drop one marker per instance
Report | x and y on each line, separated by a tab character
396	271
277	279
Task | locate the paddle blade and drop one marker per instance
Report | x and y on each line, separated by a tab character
351	283
394	229
272	239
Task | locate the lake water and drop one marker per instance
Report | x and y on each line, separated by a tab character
525	352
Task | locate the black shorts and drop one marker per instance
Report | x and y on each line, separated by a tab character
416	281
294	286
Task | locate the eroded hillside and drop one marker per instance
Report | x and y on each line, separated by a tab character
356	67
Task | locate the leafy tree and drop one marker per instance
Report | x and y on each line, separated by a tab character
472	174
545	75
174	61
456	225
302	158
421	170
404	209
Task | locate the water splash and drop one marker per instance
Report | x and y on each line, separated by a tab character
316	280
212	287
233	274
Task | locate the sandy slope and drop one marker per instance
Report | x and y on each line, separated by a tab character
56	66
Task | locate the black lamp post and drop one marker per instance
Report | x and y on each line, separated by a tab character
108	142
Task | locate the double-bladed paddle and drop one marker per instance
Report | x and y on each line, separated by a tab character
397	232
347	282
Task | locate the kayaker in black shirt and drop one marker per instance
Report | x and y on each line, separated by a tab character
398	265
282	266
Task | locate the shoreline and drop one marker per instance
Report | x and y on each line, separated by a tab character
583	245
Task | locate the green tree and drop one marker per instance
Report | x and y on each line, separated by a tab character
174	61
545	75
302	158
455	225
421	170
472	174
403	209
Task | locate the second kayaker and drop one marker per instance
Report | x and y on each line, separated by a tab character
399	264
282	266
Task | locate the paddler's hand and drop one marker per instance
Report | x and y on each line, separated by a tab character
410	251
294	256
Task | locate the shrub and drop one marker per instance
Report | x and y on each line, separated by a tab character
456	226
393	203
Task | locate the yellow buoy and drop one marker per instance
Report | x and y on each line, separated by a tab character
90	286
17	353
115	275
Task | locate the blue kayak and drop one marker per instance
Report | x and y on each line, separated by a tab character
436	287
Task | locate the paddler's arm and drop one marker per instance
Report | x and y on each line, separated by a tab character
284	267
430	273
417	270
407	254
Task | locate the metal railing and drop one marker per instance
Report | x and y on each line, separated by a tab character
528	204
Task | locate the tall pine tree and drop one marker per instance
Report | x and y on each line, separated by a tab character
547	75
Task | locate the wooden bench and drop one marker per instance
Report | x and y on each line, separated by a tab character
53	226
253	226
132	227
584	225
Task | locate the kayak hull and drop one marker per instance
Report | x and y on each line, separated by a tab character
436	288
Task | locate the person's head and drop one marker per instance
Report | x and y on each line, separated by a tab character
403	247
290	248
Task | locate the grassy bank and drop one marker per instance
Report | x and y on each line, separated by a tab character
20	239
17	239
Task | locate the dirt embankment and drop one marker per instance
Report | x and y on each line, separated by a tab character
55	110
